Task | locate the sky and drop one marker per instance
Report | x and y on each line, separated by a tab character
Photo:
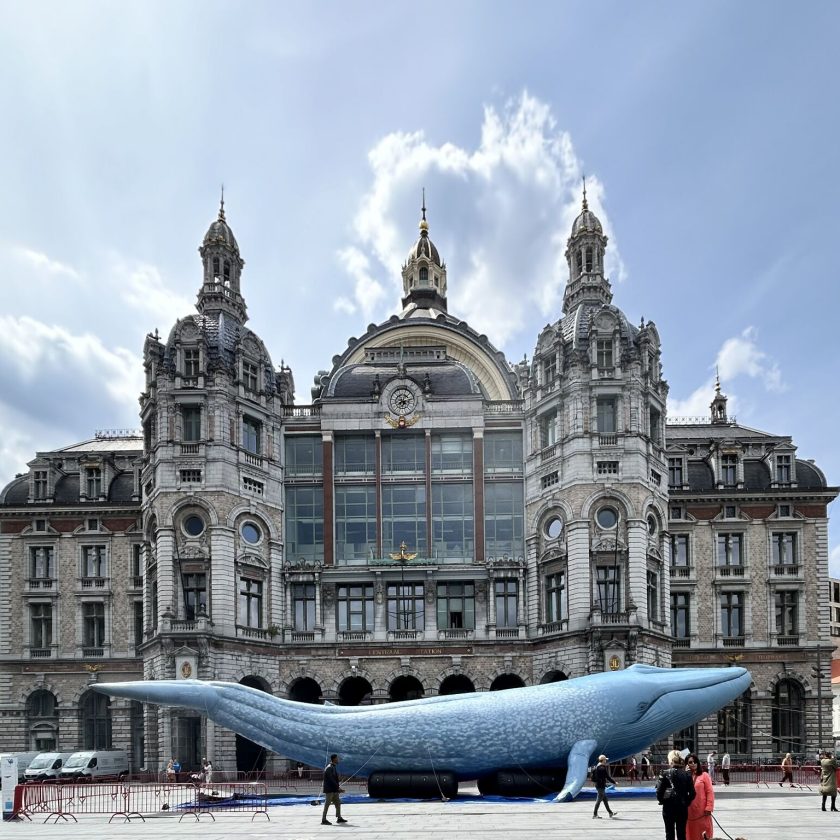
707	132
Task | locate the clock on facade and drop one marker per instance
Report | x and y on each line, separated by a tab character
402	401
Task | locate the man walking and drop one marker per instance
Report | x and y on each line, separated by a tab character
332	791
600	776
710	765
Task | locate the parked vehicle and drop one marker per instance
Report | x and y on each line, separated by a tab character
92	765
45	767
23	759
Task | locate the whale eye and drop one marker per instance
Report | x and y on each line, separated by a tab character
643	706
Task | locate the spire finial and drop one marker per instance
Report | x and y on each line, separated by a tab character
585	205
222	205
424	225
717	380
424	204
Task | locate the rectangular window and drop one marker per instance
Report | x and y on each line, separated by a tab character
138	622
251	434
40	484
404	517
784	549
784	512
655	423
355	455
452	455
137	564
547	424
607	416
607	467
355	523
555	597
452	520
191	419
608	580
680	603
304	455
191	362
40	626
195	594
504	519
250	376
93	482
355	608
506	591
679	550
550	480
503	452
190	476
305	522
403	454
787	612
729	470
730	511
675	472
604	350
252	485
653	595
549	369
41	562
406	606
93	624
93	561
729	549
732	614
250	602
783	469
676	512
456	605
303	606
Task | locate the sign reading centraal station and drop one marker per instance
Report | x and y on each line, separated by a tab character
404	651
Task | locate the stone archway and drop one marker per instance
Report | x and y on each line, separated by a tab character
405	687
306	690
355	691
553	676
456	684
505	681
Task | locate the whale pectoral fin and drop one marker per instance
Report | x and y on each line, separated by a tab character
577	767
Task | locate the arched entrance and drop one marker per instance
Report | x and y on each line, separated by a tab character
354	691
456	684
553	676
505	681
405	687
306	690
250	757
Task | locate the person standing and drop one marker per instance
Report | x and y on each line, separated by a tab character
634	769
645	766
787	770
207	770
699	823
828	779
710	765
170	770
725	762
601	775
674	792
332	791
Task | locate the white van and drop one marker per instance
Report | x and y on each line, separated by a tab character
91	765
23	759
45	767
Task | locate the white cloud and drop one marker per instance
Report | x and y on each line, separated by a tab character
499	214
142	287
741	355
43	263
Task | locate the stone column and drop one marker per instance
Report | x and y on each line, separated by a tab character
578	585
637	535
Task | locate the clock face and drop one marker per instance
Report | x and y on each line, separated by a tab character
403	401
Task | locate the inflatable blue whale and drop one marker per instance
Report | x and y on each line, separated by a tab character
561	724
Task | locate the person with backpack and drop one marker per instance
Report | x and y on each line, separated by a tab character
600	776
675	792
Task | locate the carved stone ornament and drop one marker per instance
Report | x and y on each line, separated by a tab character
605	543
302	564
328	595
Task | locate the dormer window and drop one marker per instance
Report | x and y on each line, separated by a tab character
424	276
604	353
40	484
93	482
783	469
249	376
729	470
549	369
675	472
191	362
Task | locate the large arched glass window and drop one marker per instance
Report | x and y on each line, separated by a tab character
734	727
95	711
788	717
42	720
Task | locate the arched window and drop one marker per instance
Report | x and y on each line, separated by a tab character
578	262
41	704
215	268
95	712
42	720
788	717
734	727
589	258
227	272
424	276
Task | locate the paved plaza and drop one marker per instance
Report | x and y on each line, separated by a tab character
743	812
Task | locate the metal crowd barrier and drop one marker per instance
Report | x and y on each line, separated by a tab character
131	800
761	775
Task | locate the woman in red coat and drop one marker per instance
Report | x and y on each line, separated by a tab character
699	825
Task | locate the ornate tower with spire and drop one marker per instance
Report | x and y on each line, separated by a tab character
718	405
424	273
220	291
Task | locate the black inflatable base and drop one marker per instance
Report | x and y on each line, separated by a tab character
522	782
420	785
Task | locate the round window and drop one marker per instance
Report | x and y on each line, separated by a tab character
554	527
194	525
607	517
251	533
651	524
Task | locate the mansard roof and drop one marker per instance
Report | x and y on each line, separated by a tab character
443	379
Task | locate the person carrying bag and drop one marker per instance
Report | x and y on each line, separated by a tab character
674	792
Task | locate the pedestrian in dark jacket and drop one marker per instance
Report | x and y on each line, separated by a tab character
332	789
600	776
674	792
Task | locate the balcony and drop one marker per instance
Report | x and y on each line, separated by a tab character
301	410
252	460
456	634
182	625
681	643
41	584
730	571
303	636
734	641
93	652
251	633
548	453
504	406
607	440
40	653
615	617
681	571
93	582
404	635
190	448
137	581
507	632
785	570
554	627
787	641
354	636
